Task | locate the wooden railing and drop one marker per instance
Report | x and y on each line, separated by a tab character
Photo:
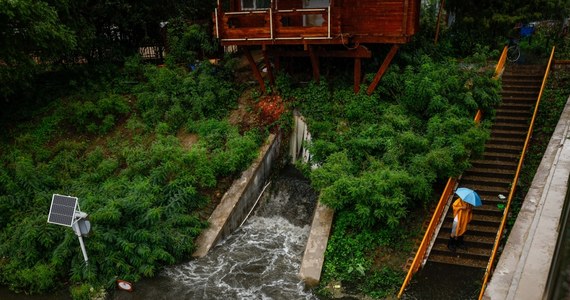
269	24
499	235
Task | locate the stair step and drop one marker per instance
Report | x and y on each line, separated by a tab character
489	208
513	112
518	75
460	257
515	86
470	241
499	133
510	127
514	96
485	163
489	181
531	93
501	140
512	119
474	229
485	189
498	172
477	220
517	106
503	148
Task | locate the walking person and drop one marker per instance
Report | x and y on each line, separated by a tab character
462	215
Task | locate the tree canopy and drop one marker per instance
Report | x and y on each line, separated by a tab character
488	22
39	35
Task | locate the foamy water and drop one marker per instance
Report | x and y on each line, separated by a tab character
260	260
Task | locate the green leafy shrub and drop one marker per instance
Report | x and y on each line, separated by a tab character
379	156
176	96
141	188
188	43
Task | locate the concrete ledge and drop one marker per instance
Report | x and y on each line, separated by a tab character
314	256
524	265
239	199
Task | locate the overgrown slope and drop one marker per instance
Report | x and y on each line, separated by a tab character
113	143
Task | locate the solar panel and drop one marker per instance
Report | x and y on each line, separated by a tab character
62	210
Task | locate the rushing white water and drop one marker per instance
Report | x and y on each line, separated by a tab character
260	260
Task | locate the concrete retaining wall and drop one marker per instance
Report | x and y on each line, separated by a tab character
238	201
314	255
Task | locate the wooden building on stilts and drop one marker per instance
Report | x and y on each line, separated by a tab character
315	29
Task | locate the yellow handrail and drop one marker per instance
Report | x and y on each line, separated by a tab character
429	232
514	183
501	63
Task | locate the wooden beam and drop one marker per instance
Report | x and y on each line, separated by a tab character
383	68
361	52
254	68
357	74
268	67
315	64
236	37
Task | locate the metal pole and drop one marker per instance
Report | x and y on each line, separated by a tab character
78	233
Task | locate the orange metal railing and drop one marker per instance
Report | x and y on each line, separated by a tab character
488	271
501	64
447	193
420	254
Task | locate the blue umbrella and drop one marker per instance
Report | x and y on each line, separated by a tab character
469	196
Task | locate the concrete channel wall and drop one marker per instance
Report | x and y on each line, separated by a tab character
314	255
240	198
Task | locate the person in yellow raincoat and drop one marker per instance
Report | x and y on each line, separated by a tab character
462	214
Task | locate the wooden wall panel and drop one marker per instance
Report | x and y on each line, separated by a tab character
367	21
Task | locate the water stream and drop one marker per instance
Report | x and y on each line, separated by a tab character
260	260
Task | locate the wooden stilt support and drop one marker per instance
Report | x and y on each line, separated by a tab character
383	68
315	64
254	68
441	4
268	67
357	74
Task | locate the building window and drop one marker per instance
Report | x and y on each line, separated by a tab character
255	4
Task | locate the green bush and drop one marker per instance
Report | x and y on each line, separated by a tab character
141	188
175	96
380	155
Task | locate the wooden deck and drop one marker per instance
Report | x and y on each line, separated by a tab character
351	22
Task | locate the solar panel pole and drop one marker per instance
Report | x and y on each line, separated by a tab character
65	211
78	233
80	215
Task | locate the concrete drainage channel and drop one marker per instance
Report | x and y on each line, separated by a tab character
240	199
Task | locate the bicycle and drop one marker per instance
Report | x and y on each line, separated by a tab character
513	51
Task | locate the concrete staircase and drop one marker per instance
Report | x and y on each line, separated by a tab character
494	172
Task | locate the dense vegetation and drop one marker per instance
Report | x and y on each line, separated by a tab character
114	145
380	155
112	135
